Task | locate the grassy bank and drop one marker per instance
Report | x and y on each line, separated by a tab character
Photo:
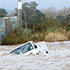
50	30
14	38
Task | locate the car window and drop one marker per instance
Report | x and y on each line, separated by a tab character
23	49
27	48
17	51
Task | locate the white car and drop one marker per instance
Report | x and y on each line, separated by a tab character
31	48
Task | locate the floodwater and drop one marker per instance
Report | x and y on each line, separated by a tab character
57	59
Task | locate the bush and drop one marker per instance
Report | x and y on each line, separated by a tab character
0	41
68	35
51	30
12	38
38	37
56	37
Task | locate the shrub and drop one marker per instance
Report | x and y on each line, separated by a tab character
0	41
10	39
38	37
56	37
14	38
68	35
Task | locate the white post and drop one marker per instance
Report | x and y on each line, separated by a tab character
19	20
20	4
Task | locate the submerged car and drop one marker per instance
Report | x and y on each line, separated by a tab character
31	48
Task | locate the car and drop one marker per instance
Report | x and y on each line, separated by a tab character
30	48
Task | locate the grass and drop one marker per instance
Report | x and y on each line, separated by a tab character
56	37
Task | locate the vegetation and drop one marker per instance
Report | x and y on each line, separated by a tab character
0	41
3	12
47	26
31	13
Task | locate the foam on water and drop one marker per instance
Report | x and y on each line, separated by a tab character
57	59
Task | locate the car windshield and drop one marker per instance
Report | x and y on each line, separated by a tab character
23	49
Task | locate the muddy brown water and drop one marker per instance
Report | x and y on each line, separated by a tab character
57	59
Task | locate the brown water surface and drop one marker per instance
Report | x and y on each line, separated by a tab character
57	59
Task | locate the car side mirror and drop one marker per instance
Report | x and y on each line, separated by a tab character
35	46
47	52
